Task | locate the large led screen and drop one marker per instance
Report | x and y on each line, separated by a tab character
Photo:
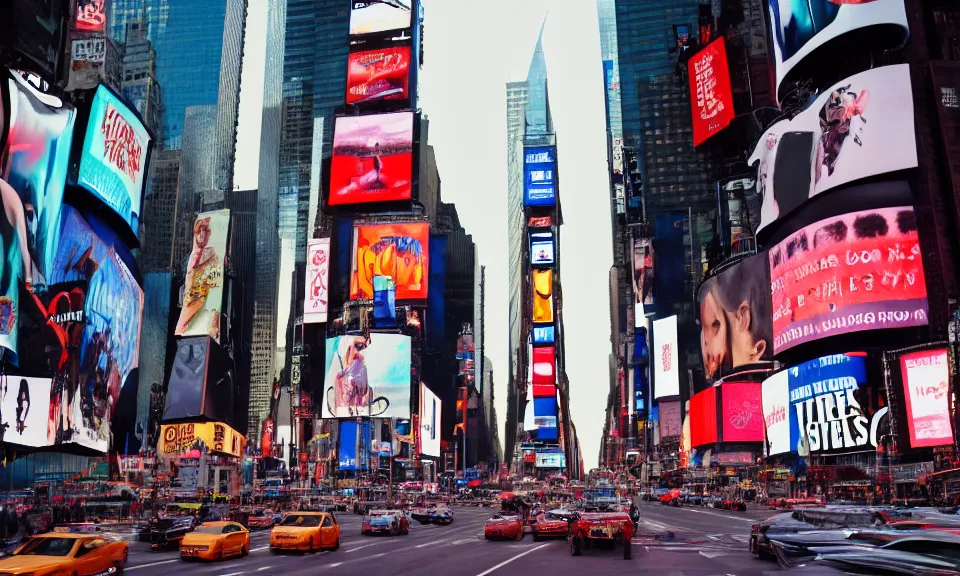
859	271
430	410
541	249
176	439
862	126
33	169
91	15
742	412
543	335
642	277
551	460
703	418
373	16
113	160
203	288
382	74
539	169
735	317
711	98
188	375
542	295
670	418
666	372
927	391
25	410
544	365
367	376
799	28
821	406
348	445
399	251
315	300
372	158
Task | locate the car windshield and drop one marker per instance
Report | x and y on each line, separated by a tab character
301	521
48	547
209	530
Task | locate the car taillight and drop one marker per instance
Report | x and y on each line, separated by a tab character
755	528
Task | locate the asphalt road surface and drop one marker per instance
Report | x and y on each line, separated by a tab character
671	541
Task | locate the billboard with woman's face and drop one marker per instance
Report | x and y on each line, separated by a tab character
203	289
25	410
367	376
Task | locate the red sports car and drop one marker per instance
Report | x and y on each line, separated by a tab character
550	525
592	529
502	527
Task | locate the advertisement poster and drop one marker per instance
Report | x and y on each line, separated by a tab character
799	28
25	410
862	126
823	405
670	419
735	317
318	276
539	170
184	397
216	436
372	16
372	158
711	98
203	289
34	168
551	460
543	335
430	410
91	15
367	376
543	296
540	222
92	49
378	75
347	457
544	366
666	372
859	271
703	418
541	249
642	276
113	161
926	389
742	419
399	251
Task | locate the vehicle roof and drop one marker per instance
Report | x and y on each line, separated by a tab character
309	513
70	535
218	523
604	516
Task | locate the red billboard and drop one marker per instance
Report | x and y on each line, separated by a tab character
544	365
91	15
378	75
742	412
703	418
858	271
372	158
544	391
926	388
711	99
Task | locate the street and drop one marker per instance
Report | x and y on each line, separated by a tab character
704	542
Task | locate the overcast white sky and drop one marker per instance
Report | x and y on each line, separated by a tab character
470	55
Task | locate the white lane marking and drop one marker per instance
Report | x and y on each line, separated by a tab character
464	541
721	515
232	574
259	549
262	568
712	555
713	537
511	559
150	564
379	555
431	543
361	547
335	564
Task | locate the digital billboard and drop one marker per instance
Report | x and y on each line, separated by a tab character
711	98
542	295
176	439
670	419
703	418
642	276
372	158
114	157
799	28
373	16
25	410
551	460
543	335
832	143
347	457
188	375
382	74
742	412
367	376
927	392
430	410
666	372
315	300
203	288
735	317
400	251
859	271
91	15
539	176
540	222
544	372
33	169
821	406
541	249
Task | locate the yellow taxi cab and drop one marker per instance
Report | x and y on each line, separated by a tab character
306	531
56	553
215	541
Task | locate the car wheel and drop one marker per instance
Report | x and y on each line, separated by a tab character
536	537
575	546
118	569
219	555
520	535
337	545
244	551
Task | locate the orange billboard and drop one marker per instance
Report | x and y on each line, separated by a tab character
543	295
399	251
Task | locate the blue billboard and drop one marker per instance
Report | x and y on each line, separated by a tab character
543	335
539	176
347	453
